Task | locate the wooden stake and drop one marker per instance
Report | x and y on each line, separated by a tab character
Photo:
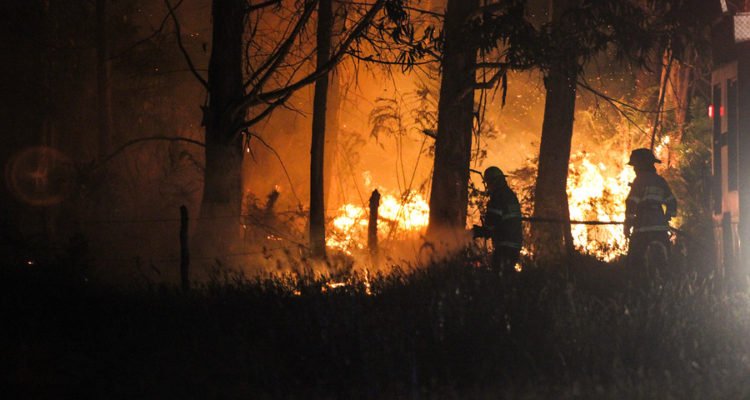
372	227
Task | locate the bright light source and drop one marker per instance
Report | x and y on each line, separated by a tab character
710	111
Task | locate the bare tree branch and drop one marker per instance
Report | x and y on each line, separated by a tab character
415	9
265	112
614	103
274	60
281	162
182	47
132	142
489	84
252	7
149	37
430	133
371	59
480	65
259	98
502	68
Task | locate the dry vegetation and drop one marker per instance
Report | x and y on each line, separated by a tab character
587	330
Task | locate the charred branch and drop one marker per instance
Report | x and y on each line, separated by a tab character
374	60
254	99
264	4
132	142
184	52
281	162
268	110
490	83
150	37
615	104
272	63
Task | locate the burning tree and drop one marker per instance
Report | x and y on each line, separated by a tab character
576	32
464	36
248	78
448	199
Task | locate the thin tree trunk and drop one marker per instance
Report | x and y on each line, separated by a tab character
103	80
333	104
449	196
553	240
222	192
681	80
663	89
317	151
333	107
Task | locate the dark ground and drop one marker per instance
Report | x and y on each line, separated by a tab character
450	331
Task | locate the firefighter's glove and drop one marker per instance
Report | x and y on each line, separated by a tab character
478	231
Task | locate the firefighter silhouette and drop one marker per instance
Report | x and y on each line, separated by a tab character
502	222
649	207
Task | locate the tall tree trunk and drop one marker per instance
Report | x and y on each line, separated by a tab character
103	82
551	240
449	196
222	191
678	94
333	107
317	151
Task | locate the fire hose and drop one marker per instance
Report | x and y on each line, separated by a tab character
576	222
573	222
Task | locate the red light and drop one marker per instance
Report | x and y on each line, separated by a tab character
721	111
710	111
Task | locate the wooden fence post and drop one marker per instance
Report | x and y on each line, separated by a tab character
372	227
184	250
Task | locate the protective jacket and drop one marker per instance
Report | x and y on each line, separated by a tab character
503	218
650	204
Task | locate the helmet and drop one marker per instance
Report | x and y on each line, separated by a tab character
492	174
642	156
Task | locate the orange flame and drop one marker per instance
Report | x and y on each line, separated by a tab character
596	192
398	218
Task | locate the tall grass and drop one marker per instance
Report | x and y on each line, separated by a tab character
448	331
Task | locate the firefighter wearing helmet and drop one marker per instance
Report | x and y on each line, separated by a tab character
648	208
502	221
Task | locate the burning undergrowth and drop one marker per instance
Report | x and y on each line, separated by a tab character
597	189
597	192
278	238
400	217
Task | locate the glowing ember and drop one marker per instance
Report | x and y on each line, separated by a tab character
398	218
597	193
